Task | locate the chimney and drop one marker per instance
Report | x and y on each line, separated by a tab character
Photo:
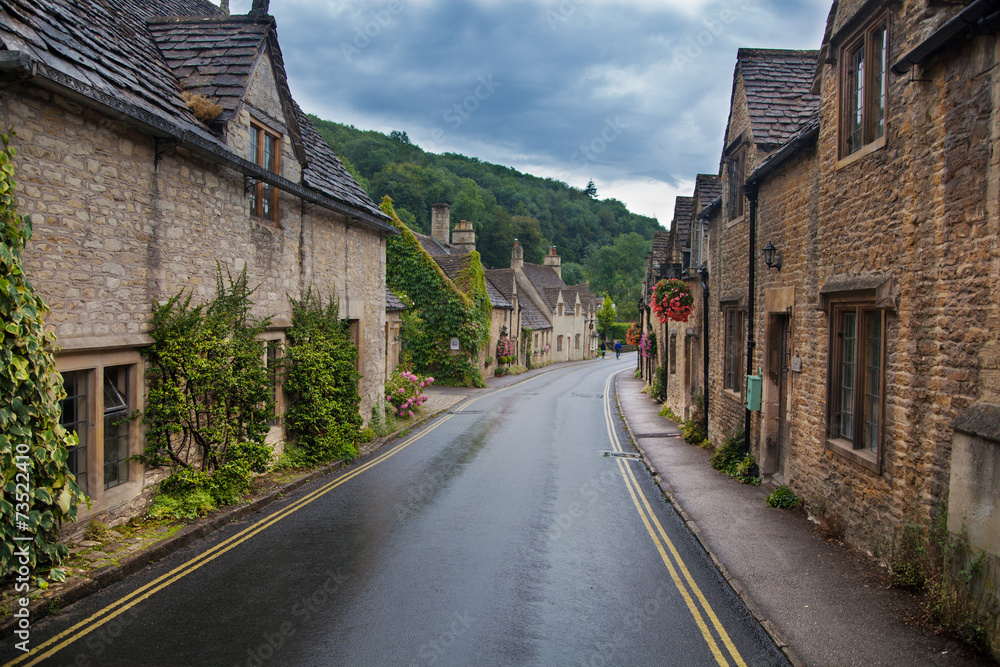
464	237
224	6
553	260
259	8
517	256
441	222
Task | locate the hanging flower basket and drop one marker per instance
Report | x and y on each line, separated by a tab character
634	334
647	344
672	300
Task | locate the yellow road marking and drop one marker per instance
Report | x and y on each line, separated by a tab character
106	614
660	539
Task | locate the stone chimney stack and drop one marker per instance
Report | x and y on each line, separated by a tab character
517	256
464	237
441	222
259	8
555	261
224	6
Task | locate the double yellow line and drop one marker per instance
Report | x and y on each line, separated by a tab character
686	585
77	632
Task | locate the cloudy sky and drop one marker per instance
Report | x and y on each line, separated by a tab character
630	93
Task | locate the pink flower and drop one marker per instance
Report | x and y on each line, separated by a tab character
409	413
400	390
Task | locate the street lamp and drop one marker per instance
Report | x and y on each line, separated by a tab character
771	257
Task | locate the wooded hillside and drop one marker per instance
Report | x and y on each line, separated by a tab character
501	202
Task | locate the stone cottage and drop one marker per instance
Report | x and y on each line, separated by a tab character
157	140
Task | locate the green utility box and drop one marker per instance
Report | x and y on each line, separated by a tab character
754	385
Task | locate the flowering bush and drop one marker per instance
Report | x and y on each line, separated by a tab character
634	334
404	391
672	300
647	344
505	351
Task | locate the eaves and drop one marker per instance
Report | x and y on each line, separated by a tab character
21	67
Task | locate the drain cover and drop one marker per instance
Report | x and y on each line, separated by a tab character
620	455
673	434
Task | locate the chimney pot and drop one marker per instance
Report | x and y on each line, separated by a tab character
259	8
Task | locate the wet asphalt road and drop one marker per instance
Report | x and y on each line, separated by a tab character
497	535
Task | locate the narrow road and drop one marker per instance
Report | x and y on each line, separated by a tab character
499	534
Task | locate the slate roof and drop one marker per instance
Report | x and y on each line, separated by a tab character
533	318
661	246
392	301
452	265
434	247
778	85
136	56
496	296
542	276
707	187
681	225
503	280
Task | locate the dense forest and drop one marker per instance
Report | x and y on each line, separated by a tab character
503	204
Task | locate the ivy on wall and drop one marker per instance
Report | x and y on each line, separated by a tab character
446	309
38	489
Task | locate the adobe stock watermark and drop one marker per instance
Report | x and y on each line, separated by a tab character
695	44
23	494
596	147
589	493
560	15
432	651
634	621
457	114
364	34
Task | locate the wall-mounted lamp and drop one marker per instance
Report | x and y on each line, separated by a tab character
771	257
503	331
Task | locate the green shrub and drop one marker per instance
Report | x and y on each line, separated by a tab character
783	498
189	506
694	431
209	399
665	411
729	454
747	471
321	382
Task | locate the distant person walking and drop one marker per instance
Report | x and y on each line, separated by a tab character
618	349
603	349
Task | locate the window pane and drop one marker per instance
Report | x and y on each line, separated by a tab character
116	425
848	346
855	98
878	76
74	420
873	379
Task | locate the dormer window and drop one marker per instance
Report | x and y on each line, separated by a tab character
863	87
264	147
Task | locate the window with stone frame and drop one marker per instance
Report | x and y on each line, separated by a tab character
734	344
864	86
265	149
559	340
857	379
735	178
576	342
273	349
101	397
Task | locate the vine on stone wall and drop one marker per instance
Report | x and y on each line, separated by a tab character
446	309
322	382
39	491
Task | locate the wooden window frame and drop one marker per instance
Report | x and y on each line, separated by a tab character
873	89
260	191
734	345
853	445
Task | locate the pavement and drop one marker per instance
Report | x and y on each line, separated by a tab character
821	602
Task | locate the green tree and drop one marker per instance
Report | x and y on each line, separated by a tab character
617	270
39	489
573	273
606	316
591	190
